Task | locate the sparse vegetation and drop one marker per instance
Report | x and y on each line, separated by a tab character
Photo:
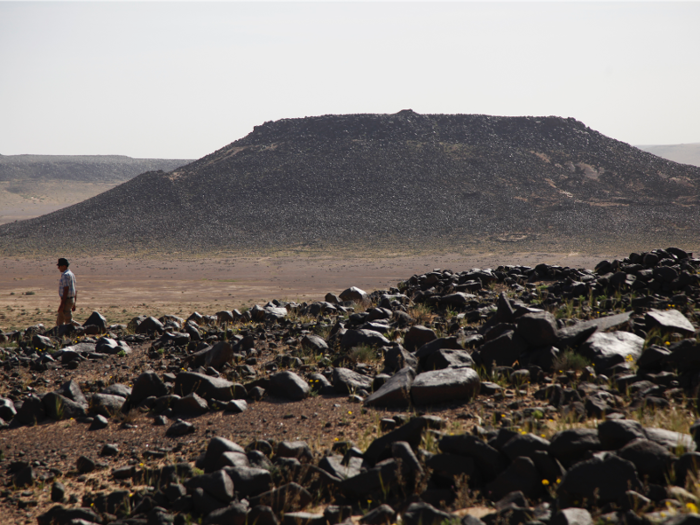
540	399
570	360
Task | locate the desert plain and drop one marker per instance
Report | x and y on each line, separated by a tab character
122	287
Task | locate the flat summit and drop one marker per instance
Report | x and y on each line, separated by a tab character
398	181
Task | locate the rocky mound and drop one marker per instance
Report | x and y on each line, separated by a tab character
562	378
405	180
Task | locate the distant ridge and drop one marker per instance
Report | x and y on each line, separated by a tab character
34	185
88	168
401	181
682	153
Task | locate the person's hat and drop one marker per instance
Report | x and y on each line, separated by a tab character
63	262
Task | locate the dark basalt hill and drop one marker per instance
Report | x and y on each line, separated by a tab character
402	180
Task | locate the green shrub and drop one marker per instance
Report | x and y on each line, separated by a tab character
570	360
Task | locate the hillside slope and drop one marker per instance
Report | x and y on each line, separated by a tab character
397	181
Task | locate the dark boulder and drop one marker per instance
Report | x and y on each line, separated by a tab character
668	321
98	320
521	475
7	409
417	336
651	460
489	460
397	357
190	406
105	404
217	484
289	385
537	329
450	384
383	514
524	445
410	432
314	343
371	482
58	407
571	446
149	324
504	350
576	334
598	481
219	355
146	385
606	349
207	387
353	338
346	381
180	428
250	481
396	392
616	433
572	516
421	513
215	448
32	411
447	358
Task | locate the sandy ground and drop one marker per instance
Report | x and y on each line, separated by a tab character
20	200
120	288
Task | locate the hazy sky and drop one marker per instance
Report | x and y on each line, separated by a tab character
180	80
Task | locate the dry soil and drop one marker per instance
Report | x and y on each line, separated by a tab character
121	288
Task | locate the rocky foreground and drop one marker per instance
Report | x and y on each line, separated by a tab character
578	388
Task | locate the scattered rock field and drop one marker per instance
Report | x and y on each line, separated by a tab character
543	395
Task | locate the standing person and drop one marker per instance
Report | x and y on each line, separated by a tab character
67	292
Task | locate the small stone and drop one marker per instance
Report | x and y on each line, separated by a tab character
256	393
380	515
109	450
58	491
180	428
24	478
236	406
85	465
99	422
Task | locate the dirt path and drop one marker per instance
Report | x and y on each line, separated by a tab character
120	288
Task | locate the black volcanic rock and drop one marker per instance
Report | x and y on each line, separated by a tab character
611	465
403	179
